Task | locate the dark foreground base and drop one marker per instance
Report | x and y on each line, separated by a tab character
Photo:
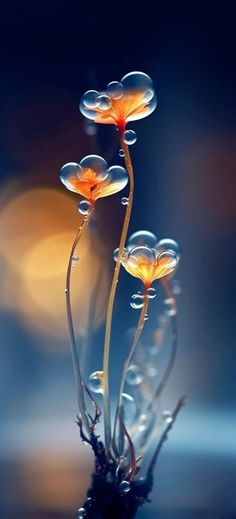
105	500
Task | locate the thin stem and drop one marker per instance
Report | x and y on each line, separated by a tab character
138	332
164	435
106	399
74	353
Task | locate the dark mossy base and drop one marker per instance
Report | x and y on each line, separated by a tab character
105	498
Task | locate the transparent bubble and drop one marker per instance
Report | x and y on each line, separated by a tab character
115	90
169	245
151	293
169	259
103	102
167	417
134	375
95	163
129	408
116	252
81	514
84	207
176	287
137	81
70	171
124	200
140	83
146	317
89	99
96	382
145	238
130	137
118	177
121	153
151	369
141	262
124	487
74	260
149	94
136	301
143	422
169	306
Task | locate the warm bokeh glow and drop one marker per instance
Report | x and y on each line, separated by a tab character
37	229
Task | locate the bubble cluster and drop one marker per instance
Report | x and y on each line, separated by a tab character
115	90
130	99
81	513
137	301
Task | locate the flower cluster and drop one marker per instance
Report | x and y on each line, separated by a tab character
143	257
128	100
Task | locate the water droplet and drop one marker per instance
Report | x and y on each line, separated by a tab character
74	260
95	382
124	200
176	287
151	369
142	238
134	375
84	207
121	153
66	290
146	317
129	408
115	90
167	417
116	253
139	82
124	487
103	102
130	137
169	307
89	503
151	293
81	514
136	301
89	99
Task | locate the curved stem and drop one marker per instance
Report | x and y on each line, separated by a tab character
74	353
138	332
106	399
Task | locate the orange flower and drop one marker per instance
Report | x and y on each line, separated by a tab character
92	179
131	99
146	264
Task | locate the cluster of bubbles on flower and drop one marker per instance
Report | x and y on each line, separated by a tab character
144	256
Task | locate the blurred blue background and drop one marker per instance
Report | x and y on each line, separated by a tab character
184	161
